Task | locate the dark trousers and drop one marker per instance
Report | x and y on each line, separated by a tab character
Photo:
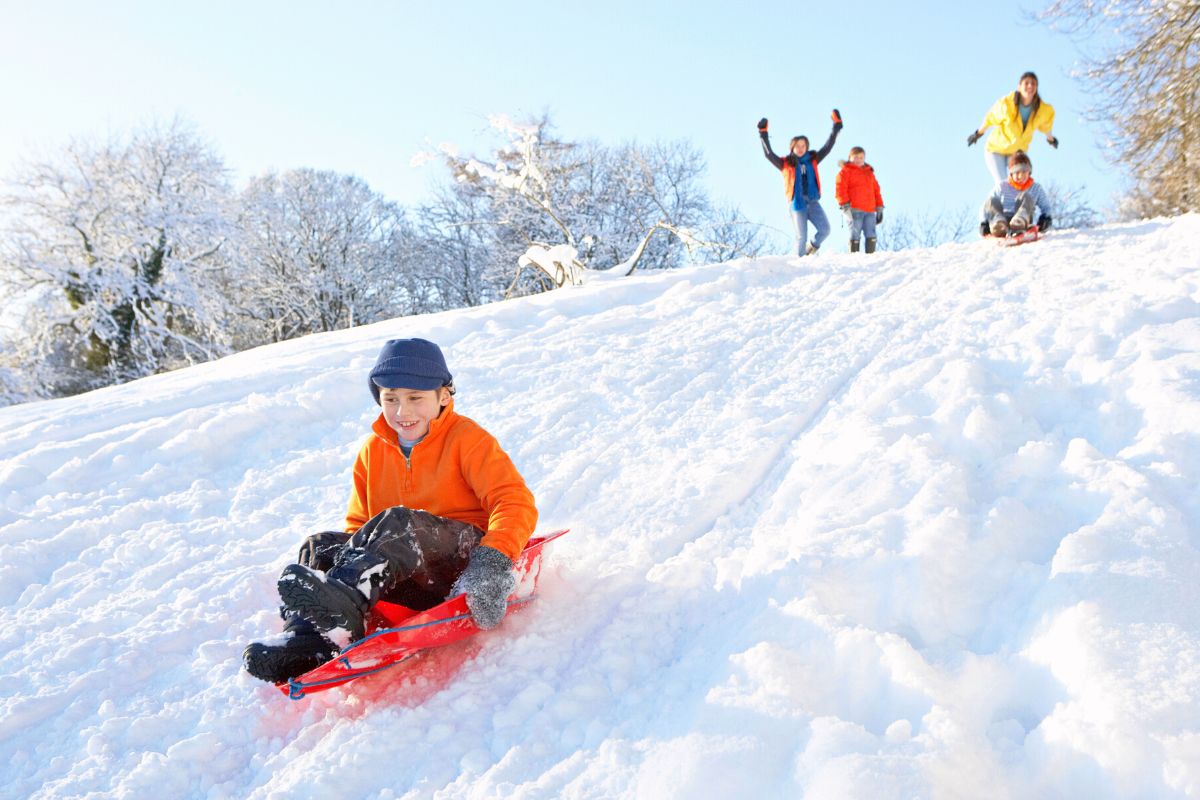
993	210
401	555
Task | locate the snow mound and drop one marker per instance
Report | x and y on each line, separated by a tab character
917	524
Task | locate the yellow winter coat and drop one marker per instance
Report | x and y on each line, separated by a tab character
1008	136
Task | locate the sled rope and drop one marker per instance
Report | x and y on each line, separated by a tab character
296	688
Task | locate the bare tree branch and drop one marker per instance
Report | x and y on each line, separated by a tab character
1141	61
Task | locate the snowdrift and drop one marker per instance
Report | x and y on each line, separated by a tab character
918	524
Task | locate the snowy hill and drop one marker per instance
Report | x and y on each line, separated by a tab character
919	524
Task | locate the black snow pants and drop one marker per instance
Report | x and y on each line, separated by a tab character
411	557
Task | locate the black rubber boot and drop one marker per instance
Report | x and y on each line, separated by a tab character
870	246
854	245
324	601
302	648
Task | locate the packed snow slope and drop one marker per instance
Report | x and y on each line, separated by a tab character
917	524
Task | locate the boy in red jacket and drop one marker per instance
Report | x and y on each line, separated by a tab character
437	509
859	198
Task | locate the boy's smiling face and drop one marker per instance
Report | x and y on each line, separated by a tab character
409	411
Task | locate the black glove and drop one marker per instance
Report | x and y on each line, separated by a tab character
762	125
984	230
974	137
879	215
1043	223
1053	140
487	582
837	119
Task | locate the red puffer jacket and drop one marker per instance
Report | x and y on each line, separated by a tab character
858	187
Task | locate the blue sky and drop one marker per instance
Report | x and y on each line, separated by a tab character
362	88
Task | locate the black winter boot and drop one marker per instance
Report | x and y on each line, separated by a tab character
870	246
324	601
854	245
301	649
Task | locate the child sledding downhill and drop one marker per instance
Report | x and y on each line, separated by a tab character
859	198
802	183
478	515
1009	210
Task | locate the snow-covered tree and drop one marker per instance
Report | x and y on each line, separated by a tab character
320	251
456	253
117	241
1142	63
561	207
1070	206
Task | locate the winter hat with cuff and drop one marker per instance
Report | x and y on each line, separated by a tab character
409	364
1019	160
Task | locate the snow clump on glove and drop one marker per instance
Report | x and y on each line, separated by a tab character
487	582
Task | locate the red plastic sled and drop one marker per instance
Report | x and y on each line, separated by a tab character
397	633
1030	234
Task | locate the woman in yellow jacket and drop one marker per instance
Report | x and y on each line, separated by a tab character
1015	117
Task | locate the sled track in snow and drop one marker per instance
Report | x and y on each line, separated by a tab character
763	483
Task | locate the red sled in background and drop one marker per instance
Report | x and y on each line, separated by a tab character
1030	234
397	633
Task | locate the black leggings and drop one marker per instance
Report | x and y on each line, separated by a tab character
412	557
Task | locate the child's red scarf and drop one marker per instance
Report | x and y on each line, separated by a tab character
1020	187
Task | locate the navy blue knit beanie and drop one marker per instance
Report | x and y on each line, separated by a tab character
409	364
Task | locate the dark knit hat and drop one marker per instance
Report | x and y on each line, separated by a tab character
409	364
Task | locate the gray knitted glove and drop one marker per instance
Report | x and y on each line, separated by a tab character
487	582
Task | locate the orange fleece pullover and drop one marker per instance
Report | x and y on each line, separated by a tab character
457	471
